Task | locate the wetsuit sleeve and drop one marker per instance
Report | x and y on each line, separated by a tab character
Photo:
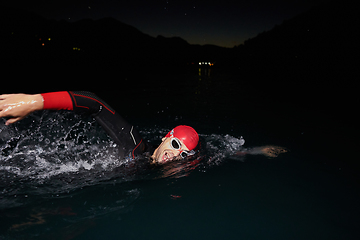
125	135
57	101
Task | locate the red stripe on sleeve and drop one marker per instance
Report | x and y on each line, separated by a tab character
57	101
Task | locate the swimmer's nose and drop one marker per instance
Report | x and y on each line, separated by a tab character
176	153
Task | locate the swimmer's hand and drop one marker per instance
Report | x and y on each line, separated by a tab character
18	106
273	151
269	151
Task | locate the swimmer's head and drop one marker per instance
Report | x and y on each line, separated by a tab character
187	135
178	143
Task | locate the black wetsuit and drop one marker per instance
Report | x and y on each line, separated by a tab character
124	134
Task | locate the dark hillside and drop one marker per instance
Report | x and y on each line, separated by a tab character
314	56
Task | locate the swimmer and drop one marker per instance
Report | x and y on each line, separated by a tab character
179	143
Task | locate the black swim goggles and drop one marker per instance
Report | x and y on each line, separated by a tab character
176	145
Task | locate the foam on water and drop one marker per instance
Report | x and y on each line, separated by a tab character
57	152
60	150
220	147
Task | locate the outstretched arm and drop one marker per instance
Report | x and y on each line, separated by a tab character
269	151
18	106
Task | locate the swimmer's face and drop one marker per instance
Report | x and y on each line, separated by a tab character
165	152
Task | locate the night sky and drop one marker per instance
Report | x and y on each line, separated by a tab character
224	23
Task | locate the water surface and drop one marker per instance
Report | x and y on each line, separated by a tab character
60	177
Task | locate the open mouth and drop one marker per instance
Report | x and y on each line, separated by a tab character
166	157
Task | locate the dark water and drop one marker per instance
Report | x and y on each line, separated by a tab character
60	178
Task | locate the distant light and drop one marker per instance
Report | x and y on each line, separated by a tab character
43	44
49	39
200	63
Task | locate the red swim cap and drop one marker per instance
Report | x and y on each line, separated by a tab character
187	135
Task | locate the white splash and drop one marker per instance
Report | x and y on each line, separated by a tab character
219	147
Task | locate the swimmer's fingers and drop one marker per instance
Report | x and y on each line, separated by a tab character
3	108
2	101
13	120
18	106
4	96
